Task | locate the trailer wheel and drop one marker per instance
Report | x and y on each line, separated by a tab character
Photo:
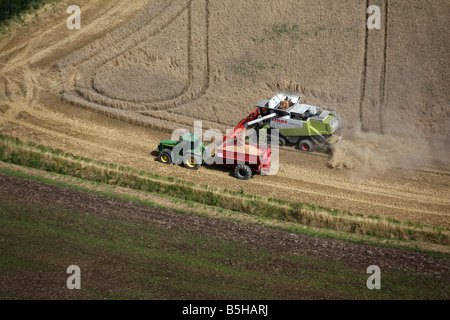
305	145
242	172
191	161
165	156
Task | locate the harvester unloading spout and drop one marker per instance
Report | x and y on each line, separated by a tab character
246	123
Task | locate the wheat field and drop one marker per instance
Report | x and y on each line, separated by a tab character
137	70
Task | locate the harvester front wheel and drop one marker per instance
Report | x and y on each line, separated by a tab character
242	172
280	141
192	161
165	157
305	145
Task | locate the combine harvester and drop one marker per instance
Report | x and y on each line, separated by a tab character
300	124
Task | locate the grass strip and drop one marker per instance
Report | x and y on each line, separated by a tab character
165	202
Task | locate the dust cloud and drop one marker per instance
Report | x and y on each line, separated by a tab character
371	153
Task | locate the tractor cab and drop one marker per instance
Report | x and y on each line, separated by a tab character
188	150
187	138
192	142
190	137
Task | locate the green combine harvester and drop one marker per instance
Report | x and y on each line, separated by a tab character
299	124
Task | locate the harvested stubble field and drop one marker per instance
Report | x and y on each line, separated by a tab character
137	70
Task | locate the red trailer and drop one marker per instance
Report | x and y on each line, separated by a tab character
245	158
246	161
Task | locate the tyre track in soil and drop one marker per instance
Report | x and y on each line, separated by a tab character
383	83
364	72
197	84
372	99
354	256
40	43
88	69
22	74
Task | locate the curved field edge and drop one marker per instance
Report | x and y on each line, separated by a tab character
290	215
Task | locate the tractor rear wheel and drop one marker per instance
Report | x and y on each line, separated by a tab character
165	156
191	161
242	172
305	145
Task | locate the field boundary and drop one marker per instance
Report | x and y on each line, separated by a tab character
324	220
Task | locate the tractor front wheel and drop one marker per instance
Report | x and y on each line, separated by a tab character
165	157
242	172
305	145
192	161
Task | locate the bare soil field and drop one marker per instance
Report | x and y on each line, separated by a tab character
127	249
137	70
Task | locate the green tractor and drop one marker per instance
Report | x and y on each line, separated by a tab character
191	152
187	150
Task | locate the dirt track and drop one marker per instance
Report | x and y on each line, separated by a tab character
31	106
